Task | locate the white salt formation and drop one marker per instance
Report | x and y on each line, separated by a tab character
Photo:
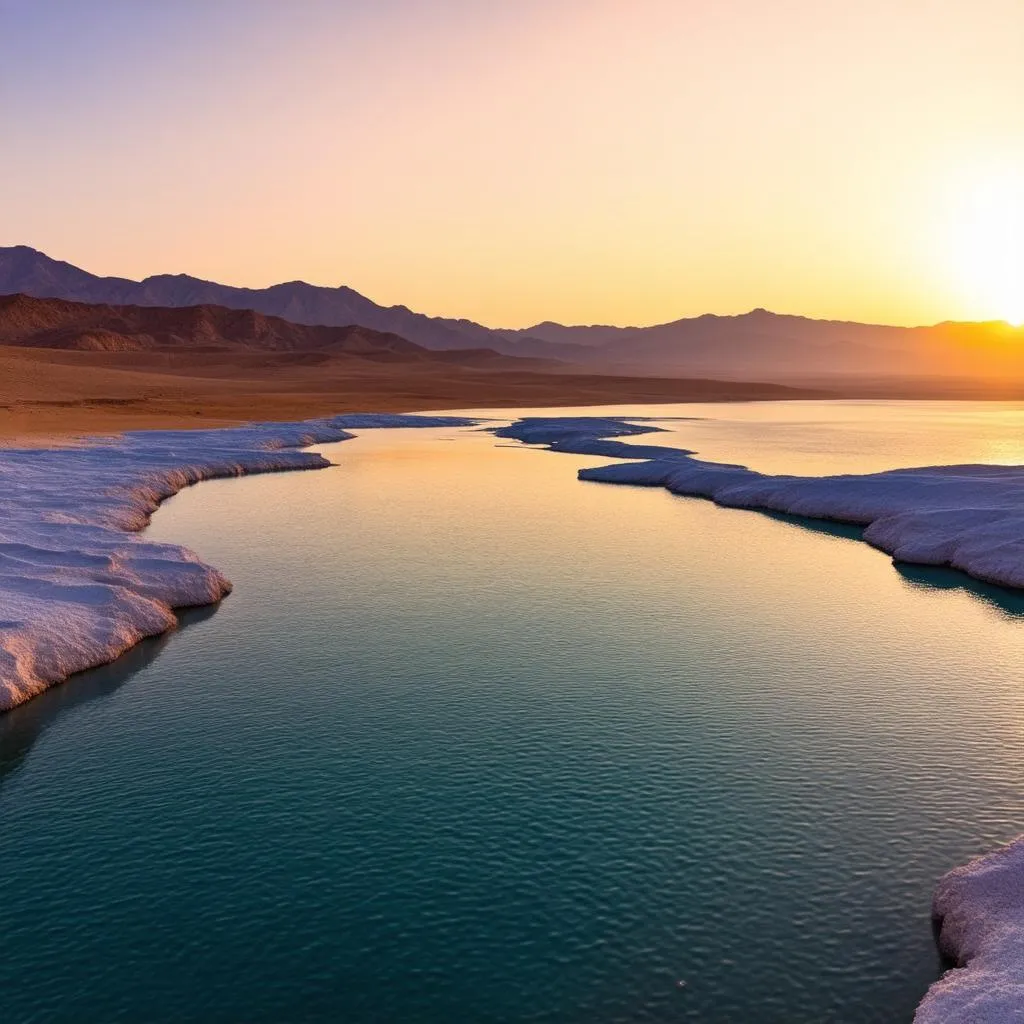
77	586
968	517
979	910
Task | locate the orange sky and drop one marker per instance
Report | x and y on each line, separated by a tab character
575	160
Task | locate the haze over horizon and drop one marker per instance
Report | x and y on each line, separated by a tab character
753	311
582	162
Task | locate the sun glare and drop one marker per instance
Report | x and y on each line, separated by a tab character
988	246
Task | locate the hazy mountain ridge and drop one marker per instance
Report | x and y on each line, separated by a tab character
25	270
755	345
778	346
30	322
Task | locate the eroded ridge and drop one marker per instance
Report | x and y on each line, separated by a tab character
78	586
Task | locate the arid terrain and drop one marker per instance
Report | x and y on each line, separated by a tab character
946	359
72	368
84	354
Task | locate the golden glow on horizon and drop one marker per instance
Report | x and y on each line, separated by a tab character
988	244
622	162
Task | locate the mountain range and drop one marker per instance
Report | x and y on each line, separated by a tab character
46	323
25	270
756	345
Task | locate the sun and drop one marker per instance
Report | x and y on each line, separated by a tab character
988	245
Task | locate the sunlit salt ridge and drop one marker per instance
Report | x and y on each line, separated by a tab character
78	586
980	910
968	517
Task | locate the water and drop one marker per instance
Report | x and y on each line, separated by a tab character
474	741
819	438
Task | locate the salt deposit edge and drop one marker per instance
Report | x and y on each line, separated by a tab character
78	586
979	916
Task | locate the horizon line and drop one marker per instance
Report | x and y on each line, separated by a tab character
995	321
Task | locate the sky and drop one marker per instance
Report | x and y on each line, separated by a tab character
512	161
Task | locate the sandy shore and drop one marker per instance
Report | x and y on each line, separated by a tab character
50	394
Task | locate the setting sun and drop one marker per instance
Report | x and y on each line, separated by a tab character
988	245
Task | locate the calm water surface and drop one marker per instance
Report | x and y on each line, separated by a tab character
475	741
820	438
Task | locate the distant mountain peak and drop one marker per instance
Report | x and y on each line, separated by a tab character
50	323
24	269
23	250
758	344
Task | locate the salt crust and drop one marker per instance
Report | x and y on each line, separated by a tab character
967	517
78	586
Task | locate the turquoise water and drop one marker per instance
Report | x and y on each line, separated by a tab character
474	741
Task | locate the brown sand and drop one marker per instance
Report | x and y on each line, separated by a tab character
46	394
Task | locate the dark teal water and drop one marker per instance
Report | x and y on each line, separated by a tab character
474	741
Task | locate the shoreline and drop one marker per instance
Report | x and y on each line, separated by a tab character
56	393
30	426
78	585
979	923
73	548
969	517
43	438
